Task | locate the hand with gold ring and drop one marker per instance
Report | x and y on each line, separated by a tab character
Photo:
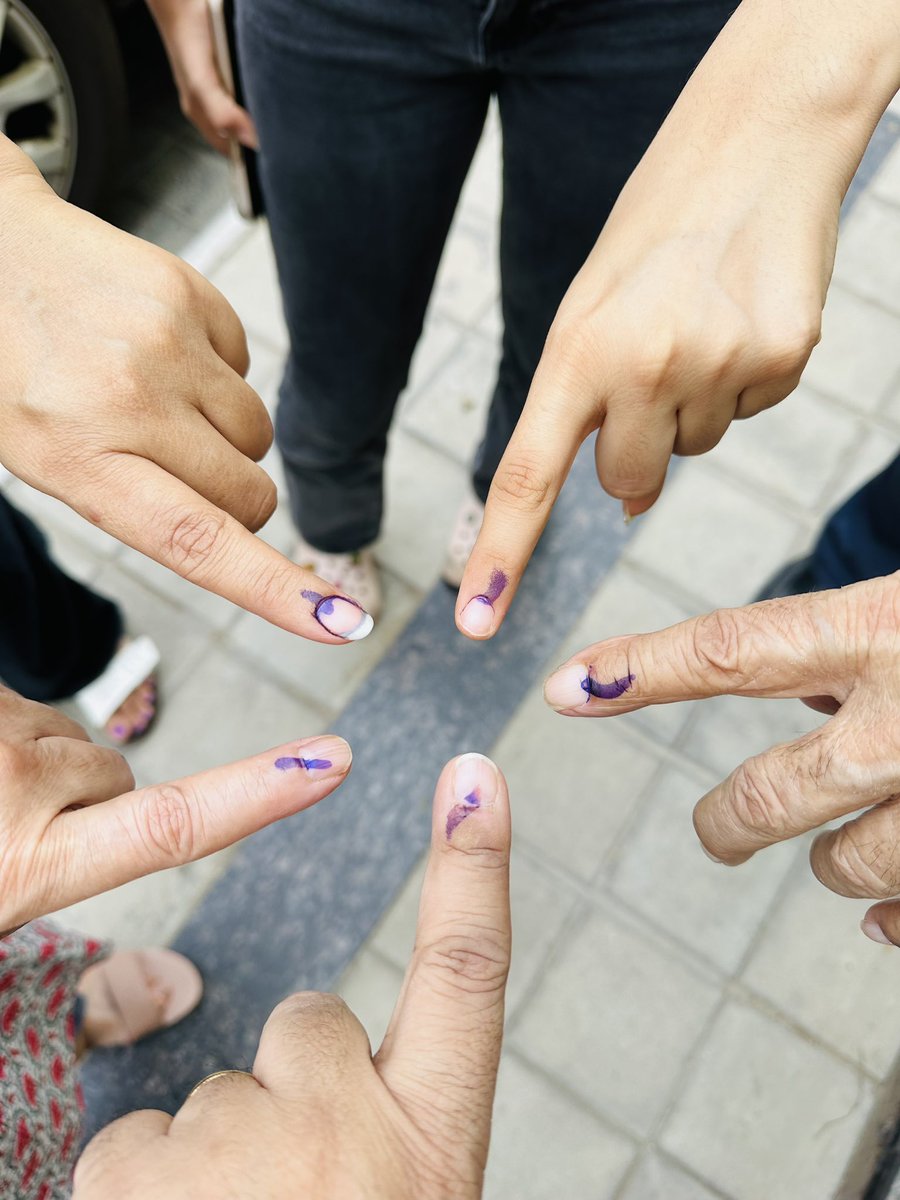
320	1117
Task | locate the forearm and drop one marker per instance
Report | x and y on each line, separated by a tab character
796	86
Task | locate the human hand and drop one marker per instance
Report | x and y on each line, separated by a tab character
71	826
186	32
319	1117
839	652
121	393
702	299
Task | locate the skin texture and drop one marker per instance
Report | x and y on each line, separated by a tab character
71	826
122	394
320	1117
185	29
838	651
702	299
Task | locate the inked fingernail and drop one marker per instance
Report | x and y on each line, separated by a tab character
340	615
475	783
576	684
119	730
873	930
319	757
477	618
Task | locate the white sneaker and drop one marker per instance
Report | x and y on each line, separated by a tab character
469	520
356	573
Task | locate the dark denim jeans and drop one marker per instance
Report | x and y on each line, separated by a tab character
56	635
369	112
862	539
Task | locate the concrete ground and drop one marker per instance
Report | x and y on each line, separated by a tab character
676	1030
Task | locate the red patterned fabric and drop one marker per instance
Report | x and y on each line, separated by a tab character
40	1098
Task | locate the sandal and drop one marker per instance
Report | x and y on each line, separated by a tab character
134	993
131	670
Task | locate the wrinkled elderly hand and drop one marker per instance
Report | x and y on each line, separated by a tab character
319	1118
838	651
71	826
702	299
121	393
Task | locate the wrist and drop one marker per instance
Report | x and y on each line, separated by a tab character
794	89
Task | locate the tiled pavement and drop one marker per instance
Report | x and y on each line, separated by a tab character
676	1031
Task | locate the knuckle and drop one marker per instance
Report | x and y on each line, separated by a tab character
522	484
784	350
866	864
263	504
716	644
193	538
475	961
757	803
166	824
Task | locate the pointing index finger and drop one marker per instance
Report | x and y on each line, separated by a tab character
776	648
444	1037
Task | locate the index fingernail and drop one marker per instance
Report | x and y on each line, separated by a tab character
478	617
475	784
340	615
577	684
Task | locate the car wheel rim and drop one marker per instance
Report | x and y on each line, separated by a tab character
37	107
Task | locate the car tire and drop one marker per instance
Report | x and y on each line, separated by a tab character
86	116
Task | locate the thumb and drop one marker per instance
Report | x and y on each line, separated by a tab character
101	846
442	1048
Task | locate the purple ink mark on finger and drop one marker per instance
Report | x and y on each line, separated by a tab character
606	691
459	812
308	764
495	587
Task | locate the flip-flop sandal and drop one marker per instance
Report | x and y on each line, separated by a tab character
134	993
130	667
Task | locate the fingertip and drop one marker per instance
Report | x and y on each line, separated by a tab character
315	759
470	792
479	616
881	924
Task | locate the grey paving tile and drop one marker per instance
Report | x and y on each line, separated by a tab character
207	606
627	602
469	275
327	675
886	184
539	905
575	783
859	353
817	967
370	987
663	873
544	1146
266	367
424	488
712	538
440	337
658	1179
861	262
766	1113
186	178
727	729
62	523
182	639
249	280
793	450
449	412
149	911
617	1018
483	187
223	712
878	448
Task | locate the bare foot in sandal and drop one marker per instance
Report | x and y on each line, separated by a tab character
122	701
134	993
